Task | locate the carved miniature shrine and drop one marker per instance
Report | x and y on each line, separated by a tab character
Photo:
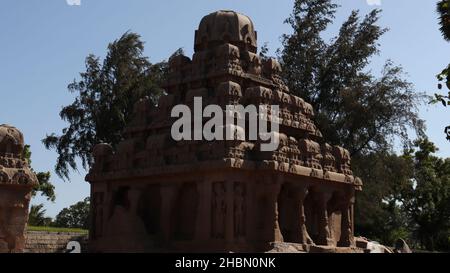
16	182
152	193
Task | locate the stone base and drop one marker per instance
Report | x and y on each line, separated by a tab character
299	248
288	248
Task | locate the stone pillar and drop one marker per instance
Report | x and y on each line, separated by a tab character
203	228
273	191
347	238
324	237
303	236
98	212
109	195
278	237
168	195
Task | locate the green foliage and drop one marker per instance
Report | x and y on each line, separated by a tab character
36	217
353	107
356	109
264	51
45	187
378	214
75	216
427	200
443	8
405	197
105	96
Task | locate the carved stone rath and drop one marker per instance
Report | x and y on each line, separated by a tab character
325	237
219	195
16	182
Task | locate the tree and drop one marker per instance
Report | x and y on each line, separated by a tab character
410	199
379	213
427	200
36	217
75	216
443	8
104	103
45	187
354	108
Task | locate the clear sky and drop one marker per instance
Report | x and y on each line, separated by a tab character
43	45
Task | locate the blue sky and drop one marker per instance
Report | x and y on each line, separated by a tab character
43	45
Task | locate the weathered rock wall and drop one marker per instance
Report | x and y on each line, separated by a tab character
53	242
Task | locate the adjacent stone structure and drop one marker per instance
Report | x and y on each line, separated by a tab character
16	182
151	193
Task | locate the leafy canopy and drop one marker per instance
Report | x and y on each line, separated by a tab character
45	187
443	8
378	215
36	216
354	108
105	96
427	200
75	216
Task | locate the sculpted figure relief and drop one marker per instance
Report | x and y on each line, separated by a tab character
312	156
328	160
228	58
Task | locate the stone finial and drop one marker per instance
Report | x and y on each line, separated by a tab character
11	140
226	26
14	168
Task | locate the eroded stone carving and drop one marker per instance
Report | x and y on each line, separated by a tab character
239	210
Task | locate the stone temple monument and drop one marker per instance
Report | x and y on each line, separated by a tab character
16	182
152	193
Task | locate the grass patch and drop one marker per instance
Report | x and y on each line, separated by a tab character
57	229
